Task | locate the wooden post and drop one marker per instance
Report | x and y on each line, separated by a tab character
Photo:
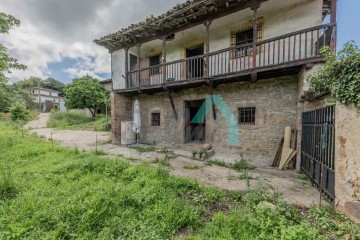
207	25
164	60
254	6
127	85
333	20
138	64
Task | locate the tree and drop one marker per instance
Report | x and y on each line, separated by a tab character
55	85
7	63
85	92
340	75
49	83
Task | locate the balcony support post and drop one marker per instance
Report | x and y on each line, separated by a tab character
207	25
138	64
333	20
127	84
164	60
255	6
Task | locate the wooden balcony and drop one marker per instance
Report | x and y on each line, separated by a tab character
279	56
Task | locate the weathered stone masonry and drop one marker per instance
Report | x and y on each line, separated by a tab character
347	161
276	107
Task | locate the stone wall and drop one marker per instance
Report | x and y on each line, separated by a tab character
276	107
121	110
347	161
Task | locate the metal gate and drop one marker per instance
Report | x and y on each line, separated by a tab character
318	149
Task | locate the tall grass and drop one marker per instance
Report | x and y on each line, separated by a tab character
60	194
77	121
59	119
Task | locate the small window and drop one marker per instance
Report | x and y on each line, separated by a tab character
154	61
245	36
247	115
155	119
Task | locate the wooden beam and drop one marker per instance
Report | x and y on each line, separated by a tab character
207	25
138	64
172	105
127	67
211	16
164	59
333	20
255	6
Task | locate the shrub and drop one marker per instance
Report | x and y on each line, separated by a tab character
18	111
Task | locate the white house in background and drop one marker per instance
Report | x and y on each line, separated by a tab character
48	99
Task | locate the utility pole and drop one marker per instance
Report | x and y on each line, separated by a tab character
39	97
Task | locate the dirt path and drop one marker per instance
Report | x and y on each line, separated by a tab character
287	183
38	123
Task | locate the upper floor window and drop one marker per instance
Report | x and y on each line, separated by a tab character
154	61
245	36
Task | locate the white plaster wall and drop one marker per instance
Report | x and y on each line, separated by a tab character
280	17
44	92
49	98
118	69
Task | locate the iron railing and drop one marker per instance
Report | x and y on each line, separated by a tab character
289	48
318	149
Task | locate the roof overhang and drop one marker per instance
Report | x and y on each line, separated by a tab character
181	17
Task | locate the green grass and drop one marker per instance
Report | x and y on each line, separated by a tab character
190	166
76	121
238	165
55	193
143	149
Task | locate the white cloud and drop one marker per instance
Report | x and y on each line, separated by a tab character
52	30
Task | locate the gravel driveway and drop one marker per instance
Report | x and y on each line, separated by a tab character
294	190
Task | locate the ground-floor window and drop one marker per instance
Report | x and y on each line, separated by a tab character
155	119
247	115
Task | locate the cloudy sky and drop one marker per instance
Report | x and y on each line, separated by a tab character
55	38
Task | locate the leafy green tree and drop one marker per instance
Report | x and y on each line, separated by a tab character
29	82
85	92
7	63
340	75
55	85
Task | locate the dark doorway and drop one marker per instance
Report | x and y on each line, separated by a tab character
195	65
194	132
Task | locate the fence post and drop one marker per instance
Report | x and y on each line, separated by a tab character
96	151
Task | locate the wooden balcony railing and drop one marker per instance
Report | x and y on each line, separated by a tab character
289	48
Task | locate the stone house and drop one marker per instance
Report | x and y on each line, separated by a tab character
201	49
232	73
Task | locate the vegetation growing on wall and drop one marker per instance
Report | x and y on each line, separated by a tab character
340	75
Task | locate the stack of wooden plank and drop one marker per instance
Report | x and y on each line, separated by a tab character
285	156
